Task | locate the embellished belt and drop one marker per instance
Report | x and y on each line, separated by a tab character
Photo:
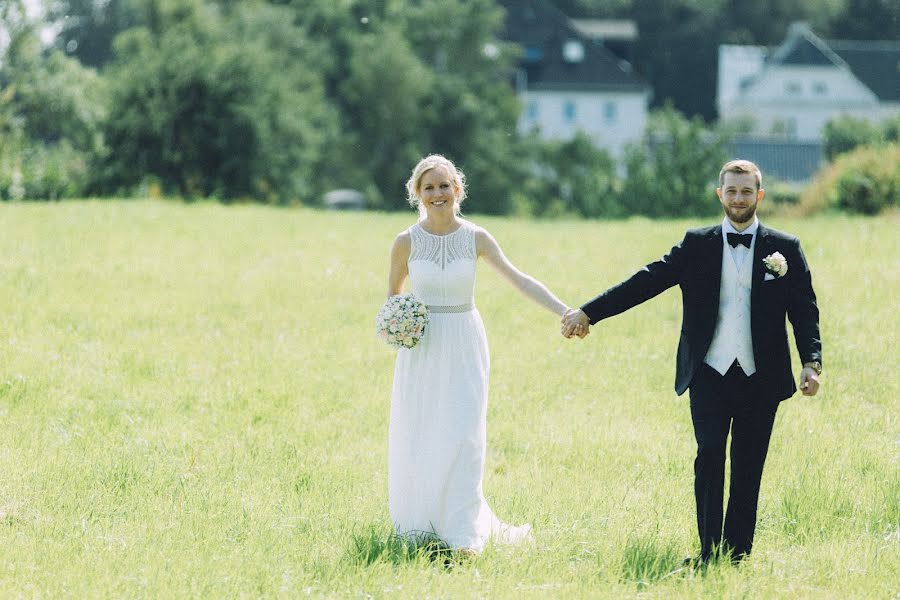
459	308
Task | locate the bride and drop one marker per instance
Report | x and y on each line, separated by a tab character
436	441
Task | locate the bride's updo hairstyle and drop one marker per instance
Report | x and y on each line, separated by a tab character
426	164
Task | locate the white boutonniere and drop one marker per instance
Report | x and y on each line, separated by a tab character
776	264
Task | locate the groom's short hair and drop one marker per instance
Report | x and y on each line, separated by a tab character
740	166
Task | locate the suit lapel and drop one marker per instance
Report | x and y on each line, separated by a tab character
761	250
715	241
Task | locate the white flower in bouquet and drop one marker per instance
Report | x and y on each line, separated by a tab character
776	264
401	321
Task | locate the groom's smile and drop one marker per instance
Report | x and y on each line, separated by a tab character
740	193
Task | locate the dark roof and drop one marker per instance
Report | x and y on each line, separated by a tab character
804	52
783	160
876	64
803	47
542	31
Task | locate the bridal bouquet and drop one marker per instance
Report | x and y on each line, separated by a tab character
401	321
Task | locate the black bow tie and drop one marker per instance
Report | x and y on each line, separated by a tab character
740	238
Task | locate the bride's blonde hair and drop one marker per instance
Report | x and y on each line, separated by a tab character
426	164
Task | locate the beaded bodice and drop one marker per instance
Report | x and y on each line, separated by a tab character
442	267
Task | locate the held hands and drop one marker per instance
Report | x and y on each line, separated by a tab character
575	322
809	381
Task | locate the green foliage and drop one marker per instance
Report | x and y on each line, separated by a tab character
282	100
51	109
867	20
88	28
37	171
868	180
675	171
574	177
846	133
676	52
216	106
383	90
865	180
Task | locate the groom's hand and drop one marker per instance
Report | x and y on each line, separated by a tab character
575	322
809	381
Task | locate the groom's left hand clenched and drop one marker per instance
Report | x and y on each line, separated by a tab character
809	381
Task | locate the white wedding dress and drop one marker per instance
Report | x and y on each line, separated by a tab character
436	443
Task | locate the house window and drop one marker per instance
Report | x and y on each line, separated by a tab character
532	54
532	110
792	88
573	51
820	88
569	111
610	112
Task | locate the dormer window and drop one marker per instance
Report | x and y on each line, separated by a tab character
820	88
792	88
573	51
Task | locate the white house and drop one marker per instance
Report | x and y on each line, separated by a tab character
569	80
795	89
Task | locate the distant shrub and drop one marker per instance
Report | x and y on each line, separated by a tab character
38	171
865	181
847	133
781	194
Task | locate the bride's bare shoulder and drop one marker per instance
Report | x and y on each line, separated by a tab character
484	241
402	242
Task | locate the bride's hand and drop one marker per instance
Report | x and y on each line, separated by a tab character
575	322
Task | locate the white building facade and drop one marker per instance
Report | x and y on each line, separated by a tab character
568	80
806	82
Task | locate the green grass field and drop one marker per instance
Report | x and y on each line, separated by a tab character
193	403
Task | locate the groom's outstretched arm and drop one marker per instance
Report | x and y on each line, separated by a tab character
650	281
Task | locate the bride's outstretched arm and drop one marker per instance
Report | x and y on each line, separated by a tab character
489	249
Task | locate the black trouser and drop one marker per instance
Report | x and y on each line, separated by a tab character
720	403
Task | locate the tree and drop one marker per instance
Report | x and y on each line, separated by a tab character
216	105
411	78
471	111
867	20
674	171
385	86
677	51
574	177
766	22
87	28
50	113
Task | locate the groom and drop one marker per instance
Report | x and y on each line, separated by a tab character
738	281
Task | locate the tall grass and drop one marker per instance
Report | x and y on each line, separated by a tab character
193	404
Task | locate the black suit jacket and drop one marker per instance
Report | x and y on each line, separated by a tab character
695	265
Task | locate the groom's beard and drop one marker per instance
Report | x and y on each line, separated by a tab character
741	215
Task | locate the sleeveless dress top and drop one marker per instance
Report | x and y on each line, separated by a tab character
437	434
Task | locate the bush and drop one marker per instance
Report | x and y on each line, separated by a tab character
846	133
37	171
865	181
674	172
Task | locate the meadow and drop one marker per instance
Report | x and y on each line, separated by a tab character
193	404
